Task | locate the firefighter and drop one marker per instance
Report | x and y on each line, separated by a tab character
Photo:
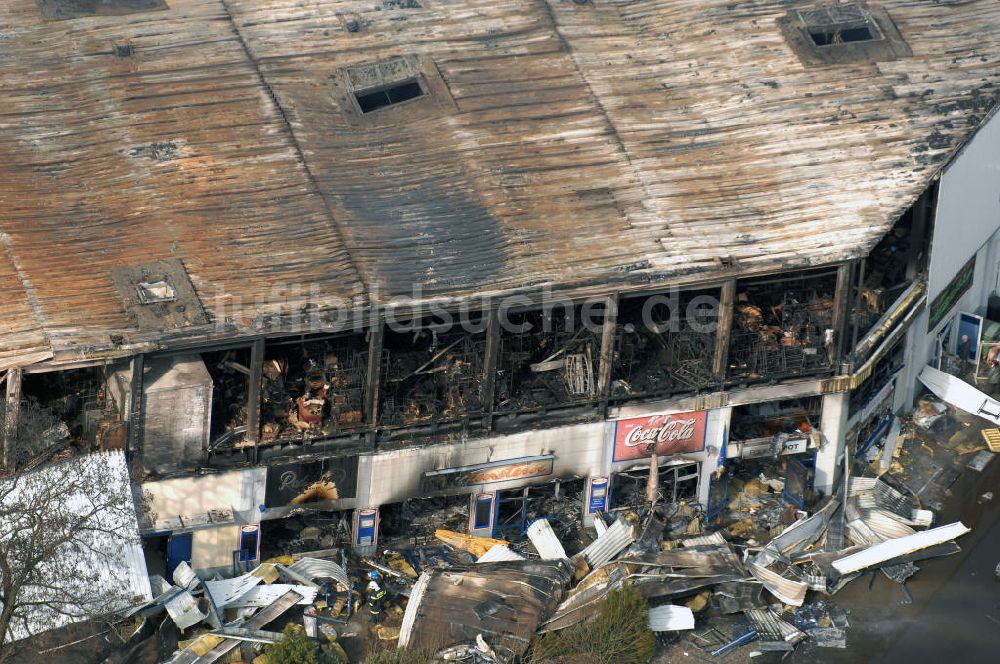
376	596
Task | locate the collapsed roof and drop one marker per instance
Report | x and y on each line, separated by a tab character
329	155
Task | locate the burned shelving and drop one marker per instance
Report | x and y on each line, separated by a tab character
548	358
772	418
783	327
665	344
432	371
314	387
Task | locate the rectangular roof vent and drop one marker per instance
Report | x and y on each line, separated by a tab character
839	24
397	93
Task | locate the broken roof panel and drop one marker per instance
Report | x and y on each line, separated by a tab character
504	602
551	143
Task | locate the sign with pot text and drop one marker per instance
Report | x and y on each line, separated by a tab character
641	437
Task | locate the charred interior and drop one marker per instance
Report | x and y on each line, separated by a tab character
897	260
313	387
230	372
70	409
432	371
773	418
665	344
783	327
674	483
548	358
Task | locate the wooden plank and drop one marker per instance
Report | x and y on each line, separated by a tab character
607	348
726	300
489	378
253	391
12	411
841	300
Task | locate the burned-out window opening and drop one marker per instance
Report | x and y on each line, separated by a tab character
313	531
557	501
397	93
548	358
230	372
413	522
665	344
774	418
675	483
313	387
783	327
432	370
893	264
69	410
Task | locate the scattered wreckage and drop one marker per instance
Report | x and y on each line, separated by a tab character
484	601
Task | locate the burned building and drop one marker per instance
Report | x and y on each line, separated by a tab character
244	246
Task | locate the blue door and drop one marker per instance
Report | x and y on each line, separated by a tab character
178	551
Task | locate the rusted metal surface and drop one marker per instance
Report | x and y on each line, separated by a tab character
552	143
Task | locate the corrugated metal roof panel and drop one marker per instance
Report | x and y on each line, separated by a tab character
316	568
544	539
670	618
603	549
499	554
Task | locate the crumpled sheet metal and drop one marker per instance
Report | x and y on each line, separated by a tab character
771	628
183	610
504	602
317	568
662	575
884	551
614	540
787	590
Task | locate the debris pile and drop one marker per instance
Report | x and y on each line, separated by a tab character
767	586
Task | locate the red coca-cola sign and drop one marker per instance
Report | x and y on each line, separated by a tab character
641	437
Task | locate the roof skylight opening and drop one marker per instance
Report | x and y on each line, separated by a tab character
397	93
842	35
839	24
153	292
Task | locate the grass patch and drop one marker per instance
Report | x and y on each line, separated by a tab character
619	634
390	655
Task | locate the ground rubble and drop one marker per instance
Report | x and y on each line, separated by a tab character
711	591
759	579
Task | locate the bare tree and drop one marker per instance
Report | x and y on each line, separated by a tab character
67	536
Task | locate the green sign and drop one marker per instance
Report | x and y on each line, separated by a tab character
947	298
